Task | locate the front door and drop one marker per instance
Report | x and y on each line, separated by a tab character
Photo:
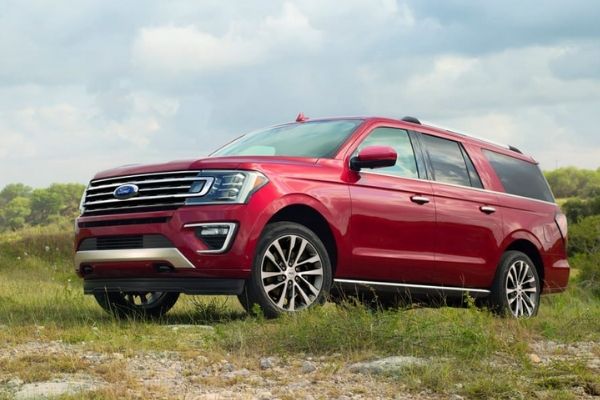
392	226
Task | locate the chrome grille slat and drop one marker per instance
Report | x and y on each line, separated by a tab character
116	185
156	191
125	178
135	208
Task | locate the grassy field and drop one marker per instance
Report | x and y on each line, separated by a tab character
469	352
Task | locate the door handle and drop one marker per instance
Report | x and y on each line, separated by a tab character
419	199
487	209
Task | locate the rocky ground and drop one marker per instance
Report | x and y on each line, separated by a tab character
192	375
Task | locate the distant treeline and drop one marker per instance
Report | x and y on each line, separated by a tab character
20	205
574	182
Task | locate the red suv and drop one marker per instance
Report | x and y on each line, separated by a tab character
282	216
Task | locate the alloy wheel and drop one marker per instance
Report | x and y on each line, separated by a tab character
292	273
521	289
143	299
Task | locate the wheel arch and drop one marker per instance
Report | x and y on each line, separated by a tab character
528	247
312	219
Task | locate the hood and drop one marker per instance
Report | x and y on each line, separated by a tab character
238	162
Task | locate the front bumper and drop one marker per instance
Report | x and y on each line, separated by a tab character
185	255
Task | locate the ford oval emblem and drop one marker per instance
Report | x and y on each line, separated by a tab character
126	191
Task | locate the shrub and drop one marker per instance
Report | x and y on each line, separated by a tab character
584	236
589	271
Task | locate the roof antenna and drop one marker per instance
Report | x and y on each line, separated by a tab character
301	118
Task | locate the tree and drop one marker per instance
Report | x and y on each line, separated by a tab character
13	191
13	215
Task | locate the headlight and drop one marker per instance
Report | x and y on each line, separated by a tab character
229	187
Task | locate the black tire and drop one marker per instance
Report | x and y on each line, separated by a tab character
121	304
289	281
517	286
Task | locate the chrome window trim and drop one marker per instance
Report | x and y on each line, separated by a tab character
411	285
228	239
458	186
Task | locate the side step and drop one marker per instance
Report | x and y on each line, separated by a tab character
408	288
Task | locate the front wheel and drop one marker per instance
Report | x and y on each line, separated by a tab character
517	287
137	304
291	271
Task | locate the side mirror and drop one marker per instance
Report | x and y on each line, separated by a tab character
374	157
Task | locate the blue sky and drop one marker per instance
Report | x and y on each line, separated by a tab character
93	84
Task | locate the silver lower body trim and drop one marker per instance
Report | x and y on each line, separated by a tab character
169	254
411	286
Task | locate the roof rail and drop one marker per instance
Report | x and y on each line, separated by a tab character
506	146
513	148
411	119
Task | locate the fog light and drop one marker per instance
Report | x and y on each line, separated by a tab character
214	231
217	236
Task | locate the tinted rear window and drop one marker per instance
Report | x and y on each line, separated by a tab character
520	177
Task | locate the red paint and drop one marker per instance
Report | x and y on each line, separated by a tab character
380	233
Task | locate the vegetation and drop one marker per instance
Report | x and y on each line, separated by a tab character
22	206
470	352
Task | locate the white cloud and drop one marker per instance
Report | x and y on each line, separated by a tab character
110	83
188	49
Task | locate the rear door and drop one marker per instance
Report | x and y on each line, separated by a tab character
468	219
392	226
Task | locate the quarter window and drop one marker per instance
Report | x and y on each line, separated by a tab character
398	139
520	177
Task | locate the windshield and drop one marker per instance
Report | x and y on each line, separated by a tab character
313	139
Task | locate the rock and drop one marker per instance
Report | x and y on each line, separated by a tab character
456	397
177	327
308	367
266	363
385	365
264	395
55	388
591	388
239	373
15	382
228	367
534	358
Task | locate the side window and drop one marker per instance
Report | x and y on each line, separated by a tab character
520	177
447	161
398	139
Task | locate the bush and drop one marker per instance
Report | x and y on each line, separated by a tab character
589	271
584	237
577	209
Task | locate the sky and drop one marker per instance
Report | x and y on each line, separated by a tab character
90	85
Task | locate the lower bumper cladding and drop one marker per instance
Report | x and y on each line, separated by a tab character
170	255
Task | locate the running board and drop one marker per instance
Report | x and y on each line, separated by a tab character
410	288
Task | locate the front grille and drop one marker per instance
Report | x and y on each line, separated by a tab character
157	191
125	242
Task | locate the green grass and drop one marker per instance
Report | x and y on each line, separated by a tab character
470	351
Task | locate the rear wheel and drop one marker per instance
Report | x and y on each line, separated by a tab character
291	272
517	287
137	304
